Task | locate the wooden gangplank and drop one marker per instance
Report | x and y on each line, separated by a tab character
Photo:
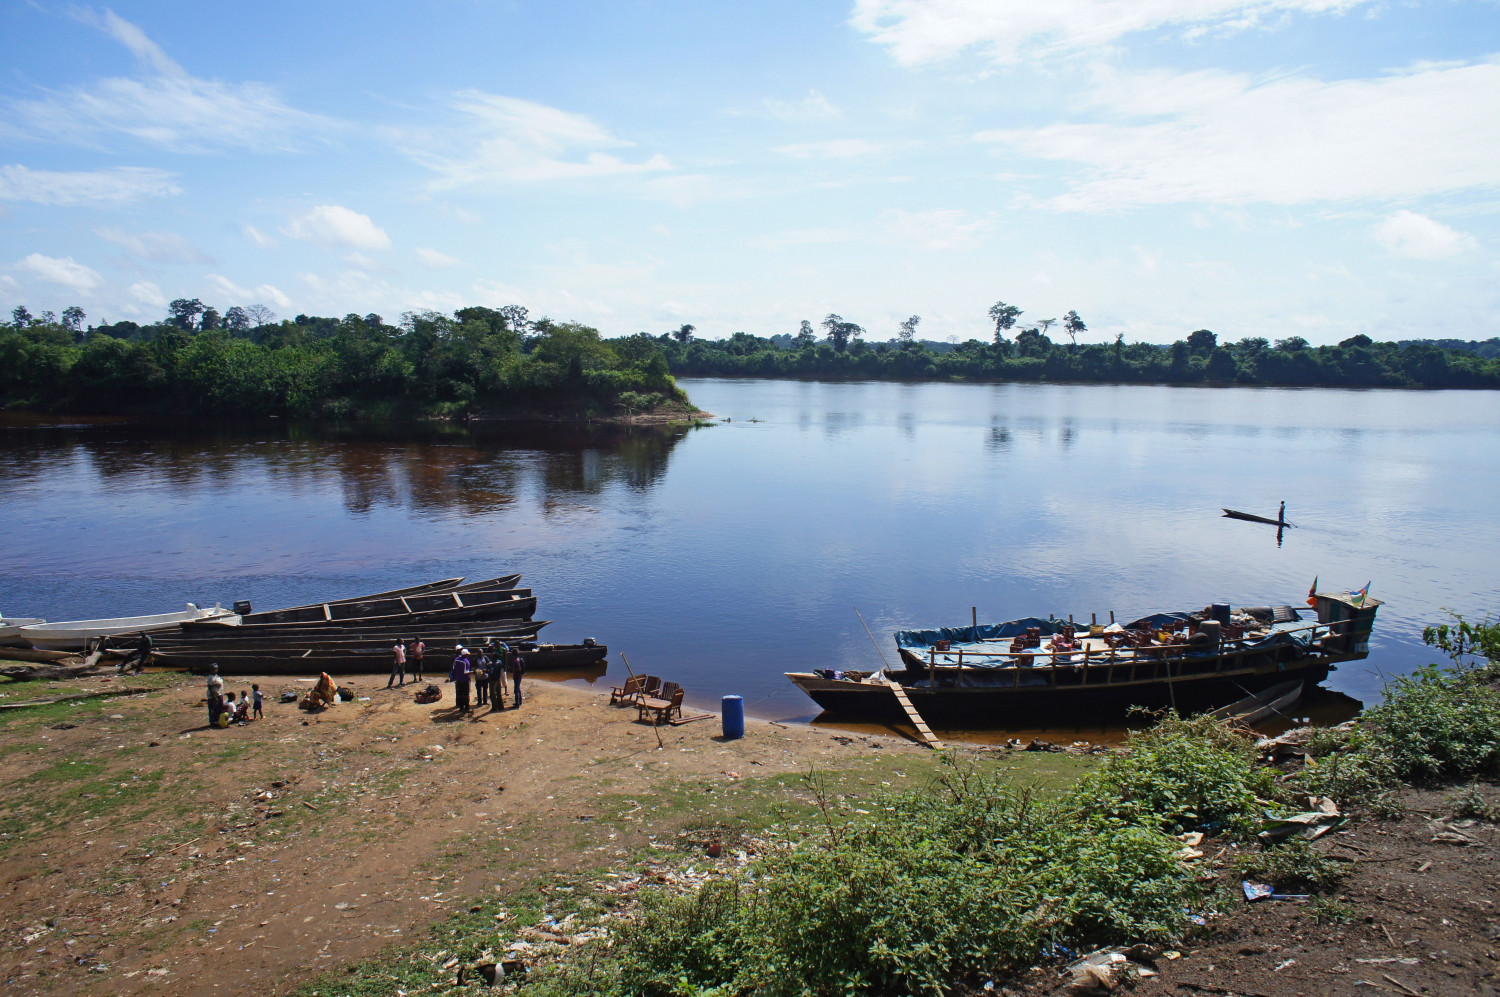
916	718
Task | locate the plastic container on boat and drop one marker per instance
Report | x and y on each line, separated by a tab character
1219	611
734	717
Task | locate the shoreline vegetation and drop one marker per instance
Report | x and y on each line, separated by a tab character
476	364
841	352
499	364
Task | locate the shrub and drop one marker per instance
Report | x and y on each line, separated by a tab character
1292	865
1181	773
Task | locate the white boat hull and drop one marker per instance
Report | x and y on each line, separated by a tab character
12	628
72	635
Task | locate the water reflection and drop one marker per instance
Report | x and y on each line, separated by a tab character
474	470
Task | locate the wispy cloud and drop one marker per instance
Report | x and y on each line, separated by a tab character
259	238
116	186
154	247
1418	237
837	148
813	107
249	296
1217	137
167	107
505	140
147	293
1008	31
435	260
942	229
64	271
333	226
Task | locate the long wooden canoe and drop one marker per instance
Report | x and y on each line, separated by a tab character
516	607
1250	517
425	597
436	661
1262	705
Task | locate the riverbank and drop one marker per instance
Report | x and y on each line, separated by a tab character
383	845
146	853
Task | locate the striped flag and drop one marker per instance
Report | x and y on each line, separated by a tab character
1357	599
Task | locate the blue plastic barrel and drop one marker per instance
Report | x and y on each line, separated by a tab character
734	717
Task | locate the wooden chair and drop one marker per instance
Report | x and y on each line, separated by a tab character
634	686
659	710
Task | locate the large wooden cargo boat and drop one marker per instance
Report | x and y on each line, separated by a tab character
1023	672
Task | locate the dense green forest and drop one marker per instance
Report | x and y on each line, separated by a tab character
1029	354
499	362
478	361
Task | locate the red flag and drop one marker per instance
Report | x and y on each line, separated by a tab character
1312	593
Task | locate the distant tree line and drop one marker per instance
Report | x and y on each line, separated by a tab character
196	360
1028	353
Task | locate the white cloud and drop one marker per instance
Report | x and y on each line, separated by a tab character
155	247
940	230
813	107
508	140
1409	234
148	293
806	237
258	237
168	108
64	271
333	226
436	260
246	296
120	185
1222	138
838	148
918	31
132	37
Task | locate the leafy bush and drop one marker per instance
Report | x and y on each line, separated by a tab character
1470	803
1292	865
1181	773
970	878
1438	724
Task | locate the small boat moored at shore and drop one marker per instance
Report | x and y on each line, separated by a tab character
73	635
10	628
1015	673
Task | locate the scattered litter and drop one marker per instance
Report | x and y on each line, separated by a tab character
1263	891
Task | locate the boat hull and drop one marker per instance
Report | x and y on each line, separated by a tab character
1027	707
73	635
436	662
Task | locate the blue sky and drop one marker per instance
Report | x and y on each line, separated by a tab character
1257	167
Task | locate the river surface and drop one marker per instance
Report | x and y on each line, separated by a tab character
722	556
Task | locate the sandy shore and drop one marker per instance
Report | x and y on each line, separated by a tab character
143	849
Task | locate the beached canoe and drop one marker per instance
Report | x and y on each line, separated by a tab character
72	635
12	627
1262	705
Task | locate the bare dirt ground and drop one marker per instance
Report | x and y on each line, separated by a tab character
1417	916
143	852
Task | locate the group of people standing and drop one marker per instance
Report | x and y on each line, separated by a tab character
483	670
486	670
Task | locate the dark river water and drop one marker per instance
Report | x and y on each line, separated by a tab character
722	556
